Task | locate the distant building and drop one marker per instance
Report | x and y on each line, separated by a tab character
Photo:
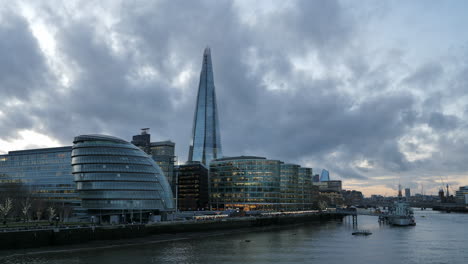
192	186
333	186
462	195
206	139
352	197
316	178
407	193
117	181
163	153
325	176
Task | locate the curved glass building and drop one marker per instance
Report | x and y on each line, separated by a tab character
116	180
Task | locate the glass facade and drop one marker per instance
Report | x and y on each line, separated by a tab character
289	185
163	154
256	183
206	142
46	173
325	176
249	183
192	186
113	175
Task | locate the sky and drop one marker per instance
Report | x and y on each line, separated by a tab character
374	91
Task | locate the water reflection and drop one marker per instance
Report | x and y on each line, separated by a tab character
437	238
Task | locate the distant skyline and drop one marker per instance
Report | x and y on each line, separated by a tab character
376	92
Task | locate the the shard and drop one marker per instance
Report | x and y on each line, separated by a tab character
206	142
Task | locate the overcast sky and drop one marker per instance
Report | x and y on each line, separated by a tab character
374	91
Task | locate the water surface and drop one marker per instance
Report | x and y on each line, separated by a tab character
437	238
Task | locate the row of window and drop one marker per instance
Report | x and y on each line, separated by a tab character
110	159
115	185
113	168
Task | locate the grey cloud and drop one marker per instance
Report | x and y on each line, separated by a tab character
312	120
440	121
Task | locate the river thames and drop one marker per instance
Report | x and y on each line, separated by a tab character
437	238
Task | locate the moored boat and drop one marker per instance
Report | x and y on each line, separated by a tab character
401	213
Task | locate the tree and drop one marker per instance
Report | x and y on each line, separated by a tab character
26	205
5	208
51	211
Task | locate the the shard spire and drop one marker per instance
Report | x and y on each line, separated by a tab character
206	142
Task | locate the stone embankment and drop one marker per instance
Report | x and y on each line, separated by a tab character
32	238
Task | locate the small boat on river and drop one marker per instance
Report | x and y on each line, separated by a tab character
361	233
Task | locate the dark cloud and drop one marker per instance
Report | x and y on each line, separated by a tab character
127	75
441	121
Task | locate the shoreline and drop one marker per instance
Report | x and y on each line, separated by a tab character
22	239
148	240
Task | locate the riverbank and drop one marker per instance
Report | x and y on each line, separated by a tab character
82	235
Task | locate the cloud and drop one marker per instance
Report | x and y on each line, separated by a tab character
299	81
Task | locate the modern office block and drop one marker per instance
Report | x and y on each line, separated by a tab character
289	178
257	183
206	139
46	173
163	153
192	186
245	182
117	181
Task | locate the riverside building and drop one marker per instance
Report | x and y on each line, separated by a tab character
192	186
117	181
257	183
46	174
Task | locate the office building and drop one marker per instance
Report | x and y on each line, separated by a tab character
117	181
257	183
206	142
289	186
461	196
329	186
192	186
325	176
245	182
162	153
316	178
407	193
45	174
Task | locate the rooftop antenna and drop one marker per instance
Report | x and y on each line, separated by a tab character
145	131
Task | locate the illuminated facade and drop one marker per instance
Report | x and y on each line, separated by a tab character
206	142
290	195
115	178
256	183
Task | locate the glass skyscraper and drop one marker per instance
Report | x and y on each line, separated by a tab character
206	142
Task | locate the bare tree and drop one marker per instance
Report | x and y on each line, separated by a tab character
5	209
51	211
25	209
